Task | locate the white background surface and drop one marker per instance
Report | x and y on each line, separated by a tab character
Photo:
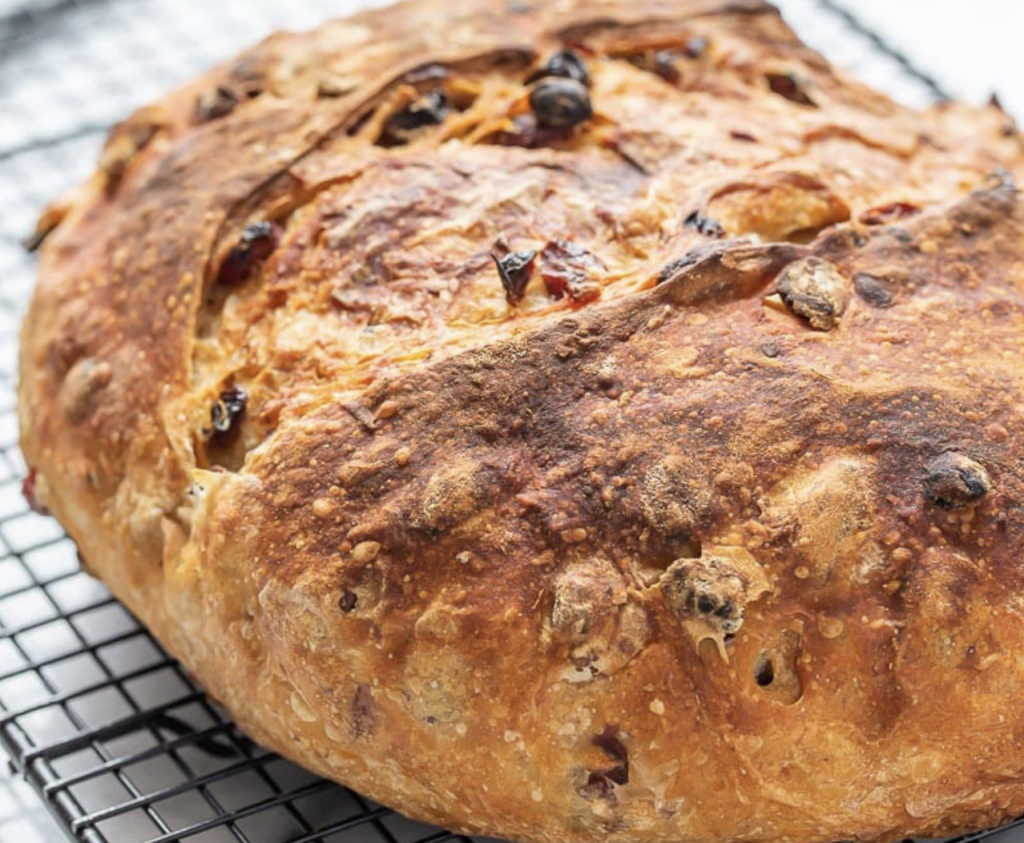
971	49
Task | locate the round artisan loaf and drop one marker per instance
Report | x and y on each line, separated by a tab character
563	421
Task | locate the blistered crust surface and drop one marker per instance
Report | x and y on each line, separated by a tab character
629	459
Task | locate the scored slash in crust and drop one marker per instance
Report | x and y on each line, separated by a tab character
561	421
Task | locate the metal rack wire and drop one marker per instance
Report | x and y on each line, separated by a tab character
110	732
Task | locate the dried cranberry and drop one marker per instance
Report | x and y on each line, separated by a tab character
28	491
568	268
526	133
427	110
696	46
704	225
609	742
788	86
872	290
515	270
675	268
560	103
885	214
432	72
661	63
564	64
214	104
256	244
1000	179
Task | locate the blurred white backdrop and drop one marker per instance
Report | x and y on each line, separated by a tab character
974	49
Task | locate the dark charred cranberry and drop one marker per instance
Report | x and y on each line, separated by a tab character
427	73
885	214
214	104
515	270
256	244
430	109
28	491
348	601
226	413
249	76
565	64
788	86
704	225
661	63
560	103
872	290
1000	179
696	46
678	266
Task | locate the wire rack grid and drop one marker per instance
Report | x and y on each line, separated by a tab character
111	733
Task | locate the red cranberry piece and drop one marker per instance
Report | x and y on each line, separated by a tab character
256	244
28	491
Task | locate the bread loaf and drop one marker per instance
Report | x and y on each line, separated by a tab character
570	421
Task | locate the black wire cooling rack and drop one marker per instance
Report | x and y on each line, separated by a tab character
119	743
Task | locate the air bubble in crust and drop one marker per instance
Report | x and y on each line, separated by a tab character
775	669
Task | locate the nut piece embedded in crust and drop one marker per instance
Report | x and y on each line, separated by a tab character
816	290
561	421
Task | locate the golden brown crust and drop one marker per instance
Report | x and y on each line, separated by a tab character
700	520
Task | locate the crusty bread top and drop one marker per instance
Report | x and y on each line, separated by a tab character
646	471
